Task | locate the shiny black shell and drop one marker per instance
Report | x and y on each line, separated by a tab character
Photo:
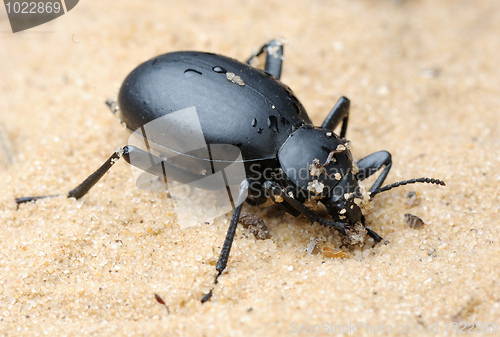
257	115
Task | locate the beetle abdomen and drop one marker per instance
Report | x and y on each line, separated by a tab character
235	103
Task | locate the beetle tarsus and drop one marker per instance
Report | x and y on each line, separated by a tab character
231	231
22	200
208	296
374	235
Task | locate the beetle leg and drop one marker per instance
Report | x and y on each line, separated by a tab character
140	159
256	196
377	238
275	190
256	54
338	114
274	57
372	163
228	242
85	186
157	166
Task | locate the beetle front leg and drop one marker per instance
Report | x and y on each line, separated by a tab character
275	190
372	163
228	242
338	114
274	57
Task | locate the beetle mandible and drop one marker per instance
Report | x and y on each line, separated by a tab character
253	110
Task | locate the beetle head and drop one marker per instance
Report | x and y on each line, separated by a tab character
345	202
315	160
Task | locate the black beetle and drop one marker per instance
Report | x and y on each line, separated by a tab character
251	109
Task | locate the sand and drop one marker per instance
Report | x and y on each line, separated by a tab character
424	83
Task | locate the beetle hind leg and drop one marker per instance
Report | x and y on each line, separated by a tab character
274	57
85	186
135	157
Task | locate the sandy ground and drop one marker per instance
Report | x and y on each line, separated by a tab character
424	82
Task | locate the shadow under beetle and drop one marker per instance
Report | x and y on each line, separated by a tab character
249	108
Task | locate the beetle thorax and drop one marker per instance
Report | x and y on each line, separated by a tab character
315	160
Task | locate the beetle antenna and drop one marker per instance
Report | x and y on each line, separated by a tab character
406	182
